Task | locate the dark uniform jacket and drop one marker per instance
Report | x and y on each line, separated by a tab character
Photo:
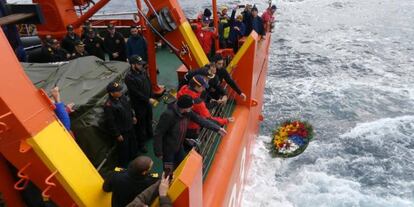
139	87
221	75
114	44
137	46
68	43
94	46
247	20
48	55
118	116
172	127
126	186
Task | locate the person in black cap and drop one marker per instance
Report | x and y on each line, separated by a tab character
79	50
172	128
114	44
140	92
94	44
215	92
52	52
68	42
59	54
120	120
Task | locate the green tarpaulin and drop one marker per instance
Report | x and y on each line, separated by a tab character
83	81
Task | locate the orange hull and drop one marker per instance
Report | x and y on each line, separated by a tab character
224	182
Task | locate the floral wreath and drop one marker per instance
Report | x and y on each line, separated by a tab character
291	138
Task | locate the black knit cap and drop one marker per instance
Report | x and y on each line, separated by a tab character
184	102
207	13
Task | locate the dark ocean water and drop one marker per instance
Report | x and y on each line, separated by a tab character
346	66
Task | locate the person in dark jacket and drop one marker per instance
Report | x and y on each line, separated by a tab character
59	54
79	50
86	27
172	128
136	44
237	31
247	19
222	74
94	44
209	70
127	184
194	89
120	122
52	52
114	44
140	91
257	23
148	196
68	42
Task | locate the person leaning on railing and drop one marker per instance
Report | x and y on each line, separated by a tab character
172	129
222	74
194	89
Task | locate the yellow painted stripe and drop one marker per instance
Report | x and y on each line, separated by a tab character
192	41
246	45
177	187
58	150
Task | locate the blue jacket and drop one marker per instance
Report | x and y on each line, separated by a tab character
258	26
62	114
137	46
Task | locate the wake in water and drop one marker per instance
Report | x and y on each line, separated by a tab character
371	165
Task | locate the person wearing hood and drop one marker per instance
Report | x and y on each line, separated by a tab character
136	44
172	128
